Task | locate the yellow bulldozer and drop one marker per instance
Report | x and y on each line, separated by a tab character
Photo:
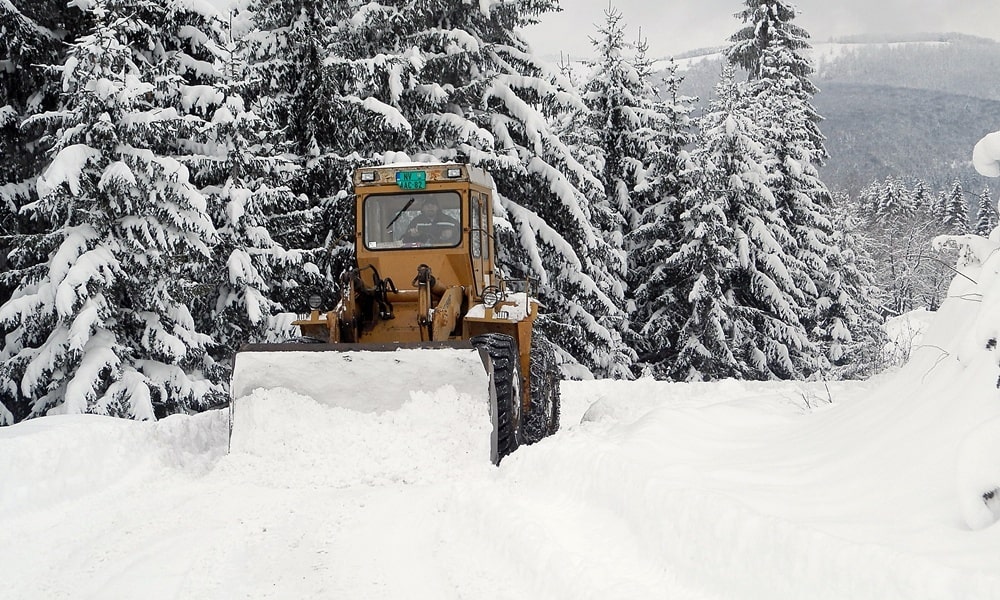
425	280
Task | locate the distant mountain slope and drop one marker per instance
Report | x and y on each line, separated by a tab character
905	107
952	63
874	131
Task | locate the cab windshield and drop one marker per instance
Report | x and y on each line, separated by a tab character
412	220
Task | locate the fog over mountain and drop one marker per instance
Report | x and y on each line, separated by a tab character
905	106
686	24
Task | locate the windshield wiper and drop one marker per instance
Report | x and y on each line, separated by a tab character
399	214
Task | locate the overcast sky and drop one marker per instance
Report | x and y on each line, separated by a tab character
681	25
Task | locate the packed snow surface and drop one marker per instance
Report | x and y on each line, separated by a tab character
881	490
651	490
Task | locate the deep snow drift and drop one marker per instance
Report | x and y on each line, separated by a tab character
734	490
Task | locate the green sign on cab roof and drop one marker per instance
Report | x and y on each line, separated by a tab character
411	180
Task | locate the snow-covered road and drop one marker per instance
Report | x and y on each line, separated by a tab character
705	491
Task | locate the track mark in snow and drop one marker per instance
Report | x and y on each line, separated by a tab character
557	545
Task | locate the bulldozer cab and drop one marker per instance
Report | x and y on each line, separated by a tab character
434	215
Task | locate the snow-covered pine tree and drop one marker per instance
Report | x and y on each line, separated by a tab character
800	198
313	77
247	205
894	204
771	46
939	208
658	198
104	326
772	49
632	138
986	221
921	198
765	335
674	132
239	162
856	350
700	269
620	100
956	211
31	35
480	96
857	353
867	201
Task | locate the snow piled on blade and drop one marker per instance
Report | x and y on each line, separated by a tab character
285	438
325	416
366	381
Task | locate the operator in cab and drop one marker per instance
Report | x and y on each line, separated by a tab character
432	226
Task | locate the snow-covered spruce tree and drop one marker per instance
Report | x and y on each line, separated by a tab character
701	268
479	96
620	100
921	198
956	211
772	49
633	139
658	198
855	349
769	29
939	205
894	203
24	90
31	35
245	207
735	170
987	218
104	326
665	179
237	161
320	78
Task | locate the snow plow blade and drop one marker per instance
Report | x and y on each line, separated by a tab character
367	378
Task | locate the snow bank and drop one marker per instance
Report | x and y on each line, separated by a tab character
57	460
904	333
978	475
852	501
961	355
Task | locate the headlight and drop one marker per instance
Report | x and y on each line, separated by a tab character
315	302
491	295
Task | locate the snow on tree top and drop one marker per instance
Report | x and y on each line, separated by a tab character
986	155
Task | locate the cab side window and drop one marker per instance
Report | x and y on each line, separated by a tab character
477	234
